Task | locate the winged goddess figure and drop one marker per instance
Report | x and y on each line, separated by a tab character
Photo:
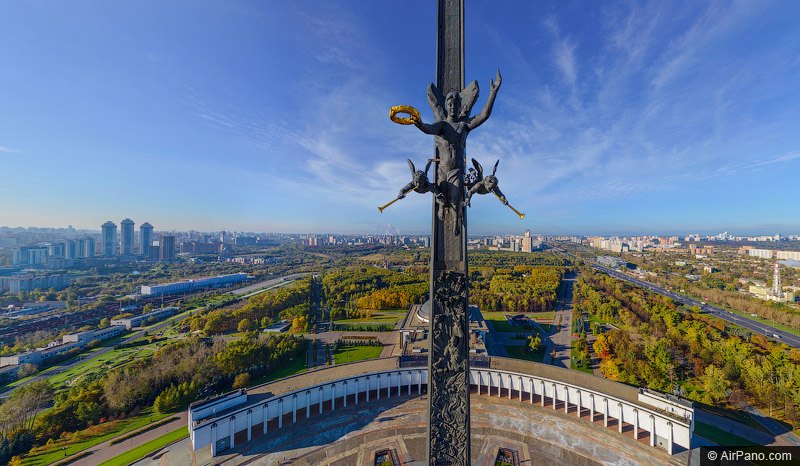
451	128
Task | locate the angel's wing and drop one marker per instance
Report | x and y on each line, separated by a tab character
495	167
436	101
411	166
468	97
479	169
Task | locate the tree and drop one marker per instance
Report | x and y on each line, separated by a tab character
602	347
241	380
534	342
104	323
244	325
715	384
147	308
300	323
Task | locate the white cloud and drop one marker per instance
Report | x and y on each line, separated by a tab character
9	150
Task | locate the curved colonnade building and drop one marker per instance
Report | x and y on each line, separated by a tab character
348	414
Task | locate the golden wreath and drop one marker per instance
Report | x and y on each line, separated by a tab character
413	114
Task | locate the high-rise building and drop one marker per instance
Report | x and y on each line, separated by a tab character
86	247
145	238
126	237
167	251
777	289
109	238
30	255
527	242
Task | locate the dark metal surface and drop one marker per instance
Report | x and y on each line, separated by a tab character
448	363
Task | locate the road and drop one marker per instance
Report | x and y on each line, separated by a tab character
267	283
559	343
738	319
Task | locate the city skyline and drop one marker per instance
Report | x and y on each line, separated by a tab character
614	119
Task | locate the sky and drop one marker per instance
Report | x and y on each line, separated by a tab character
613	117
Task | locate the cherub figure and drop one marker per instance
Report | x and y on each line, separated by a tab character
485	185
419	181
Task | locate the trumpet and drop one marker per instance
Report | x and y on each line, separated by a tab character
521	215
381	208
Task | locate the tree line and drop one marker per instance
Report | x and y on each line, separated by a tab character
659	344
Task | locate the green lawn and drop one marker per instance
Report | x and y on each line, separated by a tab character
347	354
143	450
103	363
734	414
499	322
56	452
542	315
719	436
520	352
573	353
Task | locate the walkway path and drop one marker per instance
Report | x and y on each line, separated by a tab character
559	343
105	451
784	436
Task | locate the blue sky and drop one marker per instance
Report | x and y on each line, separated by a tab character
613	117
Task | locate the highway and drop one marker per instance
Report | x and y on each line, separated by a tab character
738	319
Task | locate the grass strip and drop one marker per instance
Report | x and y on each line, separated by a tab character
152	426
720	437
145	449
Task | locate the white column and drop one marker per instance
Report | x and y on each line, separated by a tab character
635	424
379	387
280	413
652	430
555	396
510	385
345	393
308	404
669	438
266	417
213	439
358	385
419	382
566	399
580	404
231	429
591	408
489	384
320	399
410	376
249	425
605	412
368	389
480	376
541	382
531	381
400	382
621	419
294	408
333	396
520	388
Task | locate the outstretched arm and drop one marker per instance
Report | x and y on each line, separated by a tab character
487	107
432	128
